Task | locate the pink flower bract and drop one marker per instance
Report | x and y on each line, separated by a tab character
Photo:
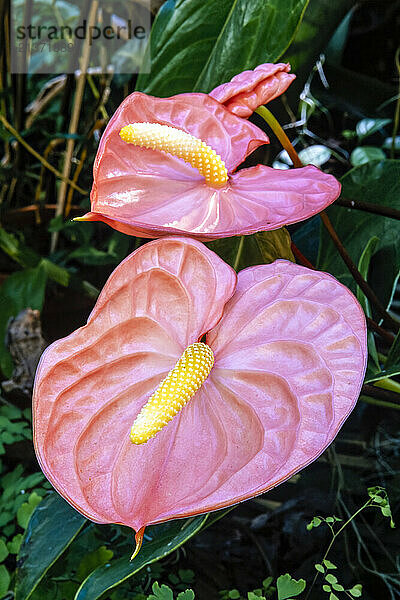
251	89
290	355
149	193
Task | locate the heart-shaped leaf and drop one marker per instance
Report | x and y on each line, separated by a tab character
288	587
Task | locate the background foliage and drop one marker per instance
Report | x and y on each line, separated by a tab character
329	527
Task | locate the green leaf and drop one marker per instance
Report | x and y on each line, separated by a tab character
274	244
26	509
366	154
15	544
186	595
316	155
261	248
52	527
356	590
388	143
363	267
89	255
316	522
161	540
335	49
287	586
267	582
4	580
326	588
161	593
367	127
92	560
234	594
321	19
187	575
393	358
195	45
56	273
17	250
371	377
379	496
24	289
374	182
319	568
331	578
3	550
328	564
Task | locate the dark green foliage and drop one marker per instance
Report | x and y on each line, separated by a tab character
345	122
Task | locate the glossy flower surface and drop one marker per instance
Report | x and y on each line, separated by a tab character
251	89
148	192
290	352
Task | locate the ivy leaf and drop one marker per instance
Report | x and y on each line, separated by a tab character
186	595
316	522
26	509
356	591
288	587
380	498
328	564
160	593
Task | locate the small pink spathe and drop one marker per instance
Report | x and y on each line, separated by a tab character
251	89
290	355
149	193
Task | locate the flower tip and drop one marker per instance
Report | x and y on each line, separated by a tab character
90	216
139	542
126	133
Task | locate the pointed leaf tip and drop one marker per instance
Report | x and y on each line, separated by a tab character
139	542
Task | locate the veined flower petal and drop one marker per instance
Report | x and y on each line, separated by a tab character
162	298
290	355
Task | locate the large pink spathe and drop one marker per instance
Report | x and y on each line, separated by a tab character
251	89
149	193
290	355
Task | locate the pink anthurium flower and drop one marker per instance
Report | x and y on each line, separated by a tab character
251	89
168	166
280	370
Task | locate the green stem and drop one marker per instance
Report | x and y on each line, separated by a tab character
239	253
334	536
369	293
381	403
280	134
386	383
396	119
